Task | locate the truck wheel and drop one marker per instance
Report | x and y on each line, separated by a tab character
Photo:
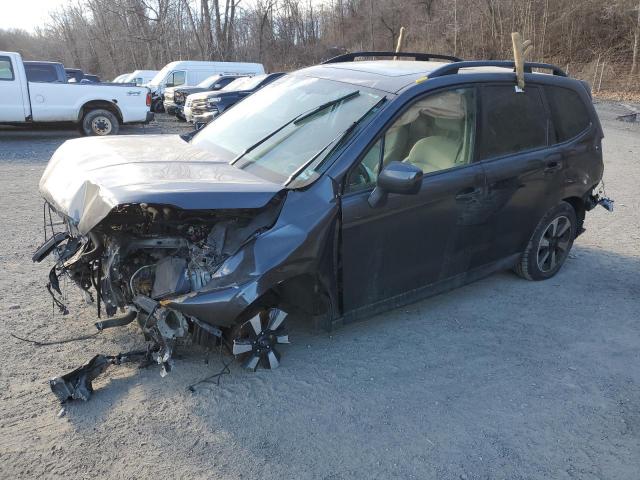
549	245
99	122
157	106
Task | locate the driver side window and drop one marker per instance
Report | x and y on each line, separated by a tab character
436	132
178	78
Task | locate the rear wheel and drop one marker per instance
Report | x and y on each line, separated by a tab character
550	244
99	123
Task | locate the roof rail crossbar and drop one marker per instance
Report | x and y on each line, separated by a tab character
422	57
453	68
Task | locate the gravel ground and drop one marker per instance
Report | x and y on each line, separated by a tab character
503	378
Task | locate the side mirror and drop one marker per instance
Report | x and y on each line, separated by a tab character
396	177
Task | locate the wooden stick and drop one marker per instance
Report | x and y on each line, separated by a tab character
399	44
518	58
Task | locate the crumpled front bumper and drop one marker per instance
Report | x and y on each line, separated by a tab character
170	107
220	307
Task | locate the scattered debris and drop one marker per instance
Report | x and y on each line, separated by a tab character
629	117
76	385
633	116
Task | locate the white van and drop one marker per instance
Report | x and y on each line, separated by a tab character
120	78
140	77
189	72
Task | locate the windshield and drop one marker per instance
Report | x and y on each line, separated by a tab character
282	154
208	81
157	80
244	83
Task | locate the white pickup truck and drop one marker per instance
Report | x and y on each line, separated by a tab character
97	109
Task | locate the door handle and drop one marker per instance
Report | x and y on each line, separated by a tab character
468	193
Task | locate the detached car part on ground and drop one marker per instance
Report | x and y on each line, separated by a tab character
324	196
203	107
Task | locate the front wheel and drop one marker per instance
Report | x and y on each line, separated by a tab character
157	106
99	122
550	244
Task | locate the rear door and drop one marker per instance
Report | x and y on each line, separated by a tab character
417	240
12	103
578	139
522	171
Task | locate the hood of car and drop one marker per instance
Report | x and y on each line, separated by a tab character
87	177
211	94
190	90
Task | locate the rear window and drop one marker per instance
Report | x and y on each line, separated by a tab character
6	69
512	121
568	112
41	73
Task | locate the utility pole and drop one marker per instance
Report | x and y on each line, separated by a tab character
455	27
636	44
373	44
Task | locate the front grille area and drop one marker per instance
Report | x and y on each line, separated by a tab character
200	106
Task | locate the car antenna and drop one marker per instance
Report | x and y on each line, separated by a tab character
296	119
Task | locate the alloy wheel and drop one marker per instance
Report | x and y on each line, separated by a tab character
554	244
258	338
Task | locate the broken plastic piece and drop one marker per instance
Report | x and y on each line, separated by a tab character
76	385
606	203
45	249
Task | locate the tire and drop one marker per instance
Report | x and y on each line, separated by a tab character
157	106
99	123
550	244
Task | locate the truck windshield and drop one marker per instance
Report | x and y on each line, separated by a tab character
208	81
159	78
282	153
244	83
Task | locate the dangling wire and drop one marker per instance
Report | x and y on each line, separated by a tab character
216	377
38	343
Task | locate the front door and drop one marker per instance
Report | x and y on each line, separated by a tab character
11	98
417	240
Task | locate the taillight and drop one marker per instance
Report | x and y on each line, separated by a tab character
148	99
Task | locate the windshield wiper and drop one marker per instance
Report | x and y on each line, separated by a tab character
337	140
295	120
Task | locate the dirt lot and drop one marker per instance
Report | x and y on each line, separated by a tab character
501	379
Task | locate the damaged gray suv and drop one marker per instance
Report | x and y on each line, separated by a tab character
338	190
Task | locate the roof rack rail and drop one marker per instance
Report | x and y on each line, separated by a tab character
453	68
422	57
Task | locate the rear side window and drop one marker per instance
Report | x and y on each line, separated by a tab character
512	121
41	73
6	69
568	112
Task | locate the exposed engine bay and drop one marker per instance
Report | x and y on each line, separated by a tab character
138	259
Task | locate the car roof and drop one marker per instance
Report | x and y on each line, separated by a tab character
388	75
